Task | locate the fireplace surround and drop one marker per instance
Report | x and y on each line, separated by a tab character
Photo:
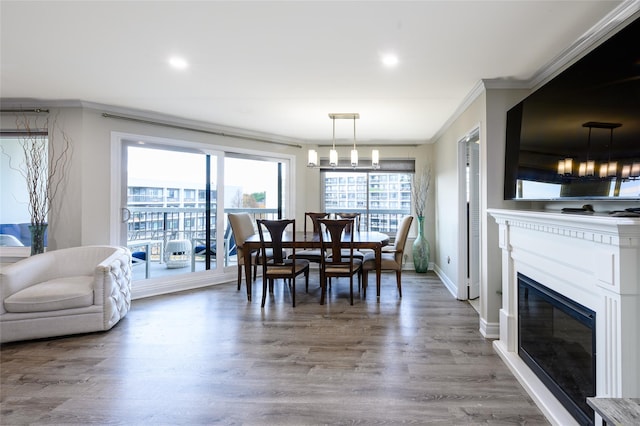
592	260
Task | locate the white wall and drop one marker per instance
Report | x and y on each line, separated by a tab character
497	103
447	192
488	112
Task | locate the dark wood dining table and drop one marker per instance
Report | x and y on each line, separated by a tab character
309	240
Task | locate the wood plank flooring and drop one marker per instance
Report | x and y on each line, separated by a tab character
210	357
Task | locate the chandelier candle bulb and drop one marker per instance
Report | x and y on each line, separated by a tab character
313	158
568	165
603	170
333	158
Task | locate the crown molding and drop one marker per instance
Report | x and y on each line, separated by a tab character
149	117
620	17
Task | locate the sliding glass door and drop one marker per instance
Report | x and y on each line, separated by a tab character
177	201
171	210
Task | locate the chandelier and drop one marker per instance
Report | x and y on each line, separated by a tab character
333	153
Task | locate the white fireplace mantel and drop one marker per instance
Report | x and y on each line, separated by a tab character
595	261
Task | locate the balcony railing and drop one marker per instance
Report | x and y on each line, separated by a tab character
149	229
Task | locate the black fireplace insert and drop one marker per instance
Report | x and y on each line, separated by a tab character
557	340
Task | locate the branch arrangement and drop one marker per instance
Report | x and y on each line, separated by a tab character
43	166
421	185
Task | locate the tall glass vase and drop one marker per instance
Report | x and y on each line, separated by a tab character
421	249
38	232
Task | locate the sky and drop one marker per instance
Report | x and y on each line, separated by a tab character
181	169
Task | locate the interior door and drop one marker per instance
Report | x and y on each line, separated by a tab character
473	221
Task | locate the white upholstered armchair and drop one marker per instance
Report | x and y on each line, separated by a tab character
66	291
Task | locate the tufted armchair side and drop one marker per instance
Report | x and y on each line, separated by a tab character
113	276
66	291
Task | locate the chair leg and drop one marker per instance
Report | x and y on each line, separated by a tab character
351	290
306	281
323	288
399	282
293	292
365	276
239	276
264	290
255	272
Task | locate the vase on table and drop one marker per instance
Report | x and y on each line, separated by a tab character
421	249
38	232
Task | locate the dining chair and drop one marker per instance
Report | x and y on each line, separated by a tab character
359	254
391	257
350	215
242	228
312	255
279	267
335	262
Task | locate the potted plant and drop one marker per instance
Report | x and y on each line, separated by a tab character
421	248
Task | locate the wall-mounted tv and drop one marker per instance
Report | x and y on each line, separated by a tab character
578	136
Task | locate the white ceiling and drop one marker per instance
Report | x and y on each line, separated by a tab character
281	67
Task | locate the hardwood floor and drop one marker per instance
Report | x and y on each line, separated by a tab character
210	357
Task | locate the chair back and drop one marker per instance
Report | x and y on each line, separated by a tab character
242	228
314	220
332	242
351	215
276	229
401	236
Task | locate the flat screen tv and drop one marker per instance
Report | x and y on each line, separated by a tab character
578	136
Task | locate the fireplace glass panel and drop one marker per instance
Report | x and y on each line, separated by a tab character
557	341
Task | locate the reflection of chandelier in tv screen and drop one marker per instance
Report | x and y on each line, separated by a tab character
605	169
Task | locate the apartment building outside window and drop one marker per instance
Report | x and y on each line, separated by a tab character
382	197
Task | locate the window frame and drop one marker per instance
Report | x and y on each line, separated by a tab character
388	168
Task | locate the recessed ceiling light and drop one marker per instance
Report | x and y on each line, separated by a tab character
178	62
389	60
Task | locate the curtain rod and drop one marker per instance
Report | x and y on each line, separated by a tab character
364	145
193	129
14	110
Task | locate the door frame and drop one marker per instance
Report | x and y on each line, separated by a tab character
463	232
157	286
